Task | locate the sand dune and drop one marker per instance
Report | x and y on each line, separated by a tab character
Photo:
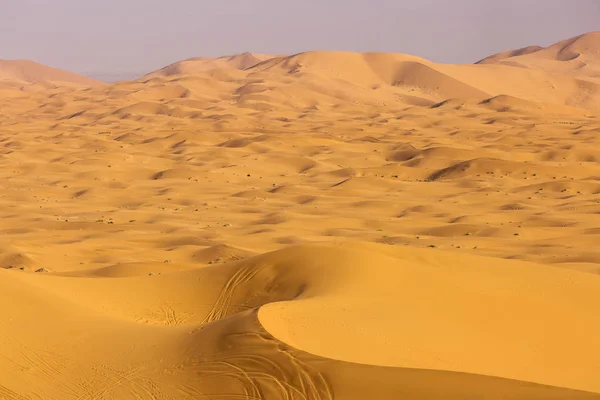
578	56
323	225
508	54
202	326
199	64
585	46
32	72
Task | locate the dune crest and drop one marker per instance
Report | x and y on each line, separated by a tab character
578	56
199	64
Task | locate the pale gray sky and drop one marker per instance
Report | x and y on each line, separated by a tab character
97	37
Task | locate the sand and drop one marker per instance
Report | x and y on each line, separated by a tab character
324	225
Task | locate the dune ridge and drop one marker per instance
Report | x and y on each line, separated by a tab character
199	64
578	56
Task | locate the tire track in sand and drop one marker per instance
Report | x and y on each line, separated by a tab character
262	367
7	394
222	305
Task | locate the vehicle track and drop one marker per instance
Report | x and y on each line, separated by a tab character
222	305
7	394
264	368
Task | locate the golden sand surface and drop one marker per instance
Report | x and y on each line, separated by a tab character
325	225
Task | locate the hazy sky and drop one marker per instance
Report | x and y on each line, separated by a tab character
137	36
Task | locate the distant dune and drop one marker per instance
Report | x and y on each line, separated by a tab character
200	64
578	57
32	72
377	77
508	54
585	46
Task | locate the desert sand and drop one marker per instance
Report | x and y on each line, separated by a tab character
324	225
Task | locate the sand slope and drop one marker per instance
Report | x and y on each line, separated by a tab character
324	225
565	73
201	335
579	56
199	64
508	54
32	72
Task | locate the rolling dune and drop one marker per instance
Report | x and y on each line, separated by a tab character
324	225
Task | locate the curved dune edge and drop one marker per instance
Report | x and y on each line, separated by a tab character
240	348
440	311
54	330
